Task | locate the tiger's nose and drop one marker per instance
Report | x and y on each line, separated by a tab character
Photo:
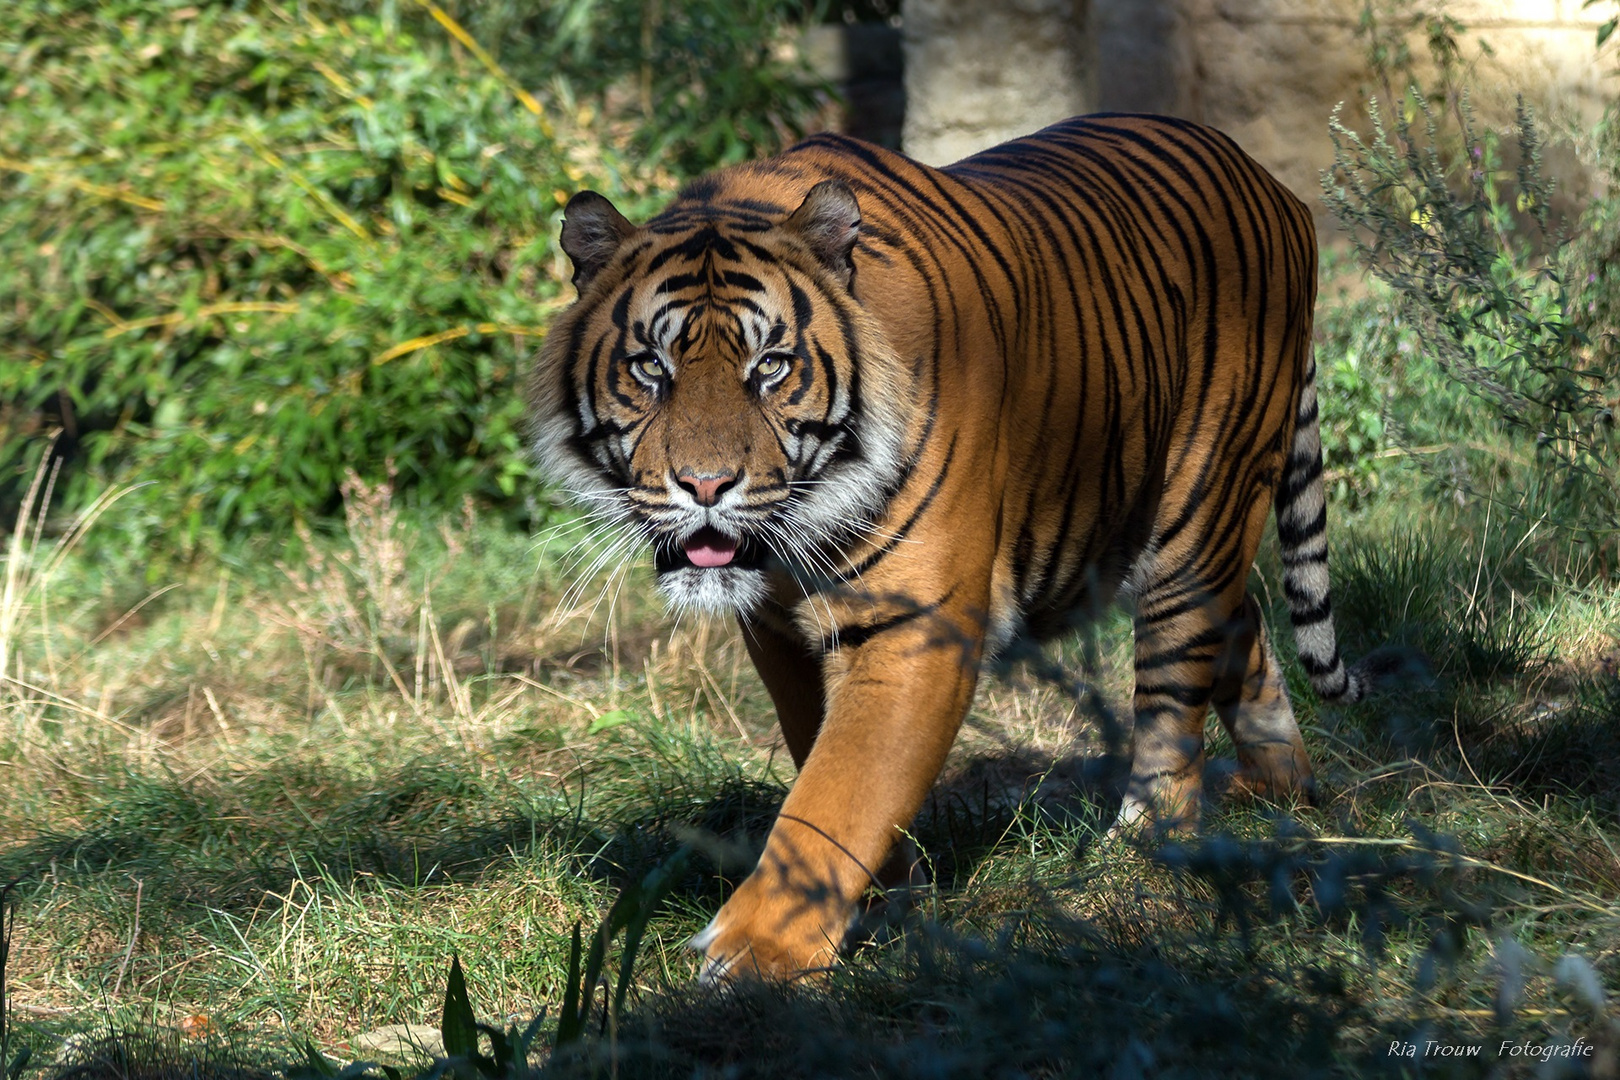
706	488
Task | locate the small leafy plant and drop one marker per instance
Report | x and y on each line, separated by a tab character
510	1049
630	914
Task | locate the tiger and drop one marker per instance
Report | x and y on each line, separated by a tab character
894	419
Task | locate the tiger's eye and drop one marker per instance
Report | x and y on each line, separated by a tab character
648	367
771	366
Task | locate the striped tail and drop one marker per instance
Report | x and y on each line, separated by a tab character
1302	531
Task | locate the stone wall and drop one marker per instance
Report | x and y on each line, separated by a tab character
979	72
1267	72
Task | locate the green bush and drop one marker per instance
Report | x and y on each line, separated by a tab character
232	238
1591	262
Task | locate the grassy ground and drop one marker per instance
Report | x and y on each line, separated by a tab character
267	803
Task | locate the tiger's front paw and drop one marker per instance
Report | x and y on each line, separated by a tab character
770	934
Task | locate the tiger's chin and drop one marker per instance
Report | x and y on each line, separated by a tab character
711	572
717	590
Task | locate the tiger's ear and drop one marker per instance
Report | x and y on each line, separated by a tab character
592	231
829	220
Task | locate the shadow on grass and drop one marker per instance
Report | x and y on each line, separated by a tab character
225	844
431	824
1567	748
161	1055
1035	992
1042	993
1236	985
1043	998
198	847
1496	692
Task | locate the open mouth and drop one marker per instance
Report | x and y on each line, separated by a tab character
707	549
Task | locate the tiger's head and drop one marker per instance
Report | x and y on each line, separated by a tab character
718	389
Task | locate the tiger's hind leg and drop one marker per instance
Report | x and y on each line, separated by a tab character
1251	699
1182	634
1196	631
1192	654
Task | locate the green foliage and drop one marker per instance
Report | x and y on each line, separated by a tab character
1356	883
1352	382
1464	614
1591	263
1455	223
698	83
1388	28
250	249
511	1048
458	1027
630	913
317	1066
1607	27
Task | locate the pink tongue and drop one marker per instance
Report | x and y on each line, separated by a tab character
709	547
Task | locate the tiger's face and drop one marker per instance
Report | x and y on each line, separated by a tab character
718	390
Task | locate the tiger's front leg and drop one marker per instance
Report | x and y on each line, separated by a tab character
896	690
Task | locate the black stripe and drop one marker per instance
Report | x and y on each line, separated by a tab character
1188	694
1310	616
853	637
899	535
1291	535
1314	666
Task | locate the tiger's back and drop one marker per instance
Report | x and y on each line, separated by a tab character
897	416
1103	304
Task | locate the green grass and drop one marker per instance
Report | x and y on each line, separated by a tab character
271	804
